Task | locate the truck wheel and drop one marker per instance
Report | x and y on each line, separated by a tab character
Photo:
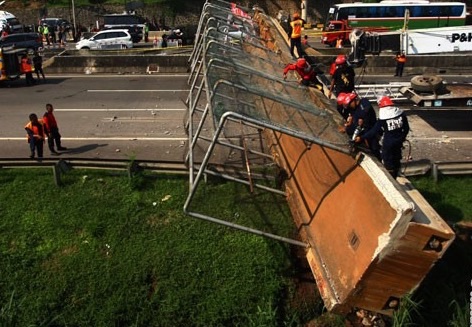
426	83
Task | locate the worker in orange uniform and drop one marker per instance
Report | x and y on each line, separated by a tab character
305	71
295	34
27	69
36	135
400	58
52	130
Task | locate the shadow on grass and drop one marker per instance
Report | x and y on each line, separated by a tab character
446	287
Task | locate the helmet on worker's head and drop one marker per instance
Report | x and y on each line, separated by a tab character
296	15
349	98
340	99
301	62
341	59
385	101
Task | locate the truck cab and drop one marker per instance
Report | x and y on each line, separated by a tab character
10	63
335	29
8	19
343	29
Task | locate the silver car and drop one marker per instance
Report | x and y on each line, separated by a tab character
106	40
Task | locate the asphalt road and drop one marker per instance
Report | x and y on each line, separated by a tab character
115	117
142	117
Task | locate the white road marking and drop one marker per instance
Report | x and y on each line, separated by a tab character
449	138
115	109
103	91
106	138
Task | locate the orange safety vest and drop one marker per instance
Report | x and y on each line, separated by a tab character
49	121
39	131
26	66
401	58
296	28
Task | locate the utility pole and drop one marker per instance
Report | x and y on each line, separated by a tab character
74	29
304	10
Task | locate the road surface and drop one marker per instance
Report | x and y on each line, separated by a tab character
143	117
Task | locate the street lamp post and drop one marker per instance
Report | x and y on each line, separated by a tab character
74	29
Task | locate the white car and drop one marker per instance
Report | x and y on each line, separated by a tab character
106	40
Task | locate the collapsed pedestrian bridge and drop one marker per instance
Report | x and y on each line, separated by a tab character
369	239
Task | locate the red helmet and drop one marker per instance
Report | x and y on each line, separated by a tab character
340	98
296	15
385	101
301	62
348	98
340	59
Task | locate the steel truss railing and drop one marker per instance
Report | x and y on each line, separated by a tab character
233	88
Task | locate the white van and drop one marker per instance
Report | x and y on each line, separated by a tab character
8	19
106	40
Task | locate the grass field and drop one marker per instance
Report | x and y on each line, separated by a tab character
105	250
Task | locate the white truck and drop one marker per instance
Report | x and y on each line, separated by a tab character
8	19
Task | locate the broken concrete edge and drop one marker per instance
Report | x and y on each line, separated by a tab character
395	196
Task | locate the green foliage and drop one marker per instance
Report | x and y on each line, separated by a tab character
403	317
450	197
97	2
102	251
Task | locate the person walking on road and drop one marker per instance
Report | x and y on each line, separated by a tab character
52	130
400	59
36	135
393	123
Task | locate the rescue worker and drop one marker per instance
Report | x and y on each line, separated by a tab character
46	34
305	71
400	58
27	69
361	118
393	123
52	130
343	77
36	135
296	35
343	111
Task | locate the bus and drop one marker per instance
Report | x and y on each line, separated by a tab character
390	15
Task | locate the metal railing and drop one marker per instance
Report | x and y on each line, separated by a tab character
373	91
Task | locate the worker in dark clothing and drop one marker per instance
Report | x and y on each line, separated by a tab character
52	130
307	75
36	135
38	65
343	77
394	125
361	119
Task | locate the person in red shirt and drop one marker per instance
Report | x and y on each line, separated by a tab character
305	71
52	130
36	134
